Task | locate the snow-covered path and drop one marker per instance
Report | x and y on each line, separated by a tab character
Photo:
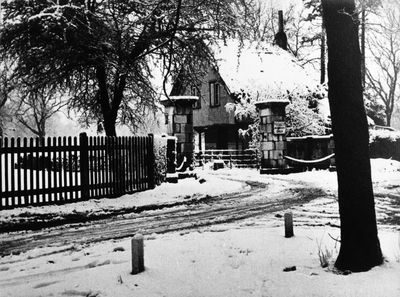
311	196
256	200
245	256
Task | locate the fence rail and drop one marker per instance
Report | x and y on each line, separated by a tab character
60	170
232	158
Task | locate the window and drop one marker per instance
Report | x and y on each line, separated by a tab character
195	91
166	118
214	93
177	128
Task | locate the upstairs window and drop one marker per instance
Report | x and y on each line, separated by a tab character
195	91
214	93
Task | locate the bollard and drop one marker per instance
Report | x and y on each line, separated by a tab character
137	254
288	225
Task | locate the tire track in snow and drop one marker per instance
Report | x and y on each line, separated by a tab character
216	210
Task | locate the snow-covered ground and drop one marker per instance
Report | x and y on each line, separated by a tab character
165	194
324	211
244	258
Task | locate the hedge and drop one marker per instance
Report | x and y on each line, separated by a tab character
384	144
160	158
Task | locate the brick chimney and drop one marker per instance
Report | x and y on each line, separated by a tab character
280	37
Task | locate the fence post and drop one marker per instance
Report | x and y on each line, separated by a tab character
151	161
199	157
288	225
84	165
137	254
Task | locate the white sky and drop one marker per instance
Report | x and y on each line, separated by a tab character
280	4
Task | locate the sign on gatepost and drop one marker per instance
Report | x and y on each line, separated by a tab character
279	127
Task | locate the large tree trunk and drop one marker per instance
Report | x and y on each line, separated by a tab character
104	101
109	125
360	248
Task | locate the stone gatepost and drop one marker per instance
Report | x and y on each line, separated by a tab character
273	135
179	121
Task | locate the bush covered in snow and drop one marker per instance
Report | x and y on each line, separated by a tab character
302	114
301	120
160	158
384	144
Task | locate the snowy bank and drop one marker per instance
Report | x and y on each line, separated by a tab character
245	259
165	195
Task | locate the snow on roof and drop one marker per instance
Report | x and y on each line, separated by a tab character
183	97
272	100
263	72
170	101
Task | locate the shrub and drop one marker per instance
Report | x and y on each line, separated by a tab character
384	144
324	256
303	116
160	158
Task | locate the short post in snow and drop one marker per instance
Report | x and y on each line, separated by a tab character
137	254
288	225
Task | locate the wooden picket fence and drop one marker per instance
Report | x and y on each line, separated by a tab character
65	169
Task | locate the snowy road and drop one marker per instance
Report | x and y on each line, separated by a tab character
263	197
226	244
256	200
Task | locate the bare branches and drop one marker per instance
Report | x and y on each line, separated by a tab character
383	69
99	50
35	107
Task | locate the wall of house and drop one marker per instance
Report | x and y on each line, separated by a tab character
212	115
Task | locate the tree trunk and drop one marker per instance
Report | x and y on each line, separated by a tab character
104	101
41	128
388	119
360	248
41	134
109	125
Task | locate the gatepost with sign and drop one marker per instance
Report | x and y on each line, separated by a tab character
273	135
179	121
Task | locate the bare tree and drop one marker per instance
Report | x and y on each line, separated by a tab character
6	88
104	52
383	69
363	7
34	109
303	36
360	247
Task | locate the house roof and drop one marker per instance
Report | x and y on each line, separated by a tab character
264	72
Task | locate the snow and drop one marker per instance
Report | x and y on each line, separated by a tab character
228	260
166	193
271	101
242	258
177	98
311	136
263	72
